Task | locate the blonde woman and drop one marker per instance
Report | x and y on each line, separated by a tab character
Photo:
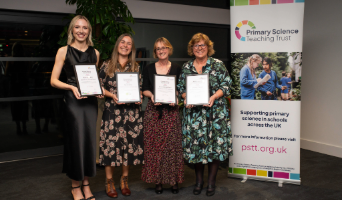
81	112
162	126
248	78
121	136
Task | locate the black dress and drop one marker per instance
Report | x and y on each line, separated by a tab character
80	118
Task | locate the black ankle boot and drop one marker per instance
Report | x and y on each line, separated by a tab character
212	190
175	191
159	188
196	190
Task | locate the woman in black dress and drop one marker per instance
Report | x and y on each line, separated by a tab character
121	135
81	112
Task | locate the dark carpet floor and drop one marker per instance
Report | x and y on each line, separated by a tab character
41	178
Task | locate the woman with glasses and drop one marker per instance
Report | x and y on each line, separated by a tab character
206	129
162	126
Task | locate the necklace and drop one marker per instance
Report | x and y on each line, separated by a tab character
199	71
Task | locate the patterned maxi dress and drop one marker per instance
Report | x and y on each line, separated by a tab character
163	144
121	135
206	131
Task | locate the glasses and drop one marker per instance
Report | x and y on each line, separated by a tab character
161	49
197	46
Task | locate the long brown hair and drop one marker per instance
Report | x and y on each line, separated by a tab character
251	60
114	64
71	38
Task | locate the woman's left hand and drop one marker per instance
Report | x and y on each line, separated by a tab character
174	104
141	100
211	101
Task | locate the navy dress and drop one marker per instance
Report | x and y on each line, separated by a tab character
80	120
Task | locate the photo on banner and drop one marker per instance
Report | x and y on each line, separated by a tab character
283	82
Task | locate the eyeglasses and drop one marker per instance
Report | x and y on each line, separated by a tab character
197	46
161	49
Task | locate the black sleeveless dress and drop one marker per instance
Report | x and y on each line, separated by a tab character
80	119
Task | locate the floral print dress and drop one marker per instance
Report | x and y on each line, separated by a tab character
206	131
163	145
121	135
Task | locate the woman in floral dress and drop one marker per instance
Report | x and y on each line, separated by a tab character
121	136
162	126
206	129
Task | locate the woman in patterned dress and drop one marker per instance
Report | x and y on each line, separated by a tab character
162	126
121	136
206	129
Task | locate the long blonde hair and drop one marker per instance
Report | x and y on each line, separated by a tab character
251	60
71	38
114	64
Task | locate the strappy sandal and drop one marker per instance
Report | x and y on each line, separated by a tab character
92	197
72	188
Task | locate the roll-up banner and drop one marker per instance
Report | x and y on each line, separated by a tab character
266	46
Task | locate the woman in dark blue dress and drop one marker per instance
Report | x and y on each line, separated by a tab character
81	112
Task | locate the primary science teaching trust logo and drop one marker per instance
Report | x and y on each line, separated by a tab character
270	35
238	26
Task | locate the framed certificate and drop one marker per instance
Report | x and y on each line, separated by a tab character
197	89
128	88
165	89
88	82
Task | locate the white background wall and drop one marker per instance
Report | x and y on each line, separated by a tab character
321	129
321	123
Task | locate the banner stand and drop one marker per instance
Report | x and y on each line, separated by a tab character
278	180
266	63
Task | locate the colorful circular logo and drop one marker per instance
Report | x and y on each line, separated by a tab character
238	26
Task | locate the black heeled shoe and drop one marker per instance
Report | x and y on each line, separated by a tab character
159	191
92	197
72	188
175	191
198	191
212	192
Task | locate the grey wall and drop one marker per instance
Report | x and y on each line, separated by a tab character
321	124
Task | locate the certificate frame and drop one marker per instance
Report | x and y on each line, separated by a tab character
118	86
92	65
186	90
155	91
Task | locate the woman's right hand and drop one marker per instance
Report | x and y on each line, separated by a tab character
269	93
76	93
152	99
115	98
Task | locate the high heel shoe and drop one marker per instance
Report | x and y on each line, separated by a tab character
157	190
173	190
198	191
92	197
72	188
212	192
